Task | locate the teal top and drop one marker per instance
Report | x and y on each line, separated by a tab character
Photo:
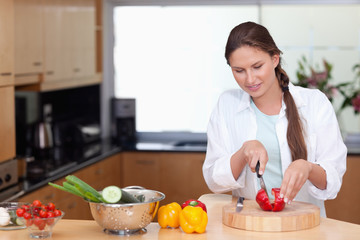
266	134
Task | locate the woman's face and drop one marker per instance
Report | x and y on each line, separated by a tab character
254	71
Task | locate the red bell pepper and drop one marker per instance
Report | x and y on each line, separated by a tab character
263	200
194	203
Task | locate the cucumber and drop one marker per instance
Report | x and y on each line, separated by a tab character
111	194
114	194
128	198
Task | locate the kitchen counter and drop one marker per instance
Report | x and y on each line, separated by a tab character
328	229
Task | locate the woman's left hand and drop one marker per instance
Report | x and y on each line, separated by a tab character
294	178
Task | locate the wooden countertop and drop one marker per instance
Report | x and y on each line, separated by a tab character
328	229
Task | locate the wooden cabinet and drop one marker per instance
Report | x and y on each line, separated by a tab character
98	175
54	28
345	206
177	175
56	48
82	35
7	123
6	43
182	177
141	169
69	39
28	15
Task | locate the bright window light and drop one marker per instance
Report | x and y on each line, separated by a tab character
171	59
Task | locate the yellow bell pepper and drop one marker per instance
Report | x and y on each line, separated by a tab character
168	215
193	219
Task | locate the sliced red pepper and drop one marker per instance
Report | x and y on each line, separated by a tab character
279	203
194	203
263	200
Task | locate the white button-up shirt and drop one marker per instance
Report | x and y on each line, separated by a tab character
233	122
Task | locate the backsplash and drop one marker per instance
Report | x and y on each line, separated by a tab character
57	112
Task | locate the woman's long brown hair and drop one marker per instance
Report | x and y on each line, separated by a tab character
255	35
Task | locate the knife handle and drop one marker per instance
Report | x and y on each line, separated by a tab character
257	169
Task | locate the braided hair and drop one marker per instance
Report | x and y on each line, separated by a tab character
255	35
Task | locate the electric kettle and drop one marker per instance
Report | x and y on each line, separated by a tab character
43	134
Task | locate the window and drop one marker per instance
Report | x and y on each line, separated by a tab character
171	59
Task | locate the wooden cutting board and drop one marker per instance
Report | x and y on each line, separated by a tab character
296	216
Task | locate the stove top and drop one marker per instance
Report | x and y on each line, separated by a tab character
50	162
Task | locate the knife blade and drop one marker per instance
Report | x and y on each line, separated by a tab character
262	182
239	204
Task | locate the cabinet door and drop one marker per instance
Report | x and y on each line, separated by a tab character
53	40
102	174
182	177
177	175
84	41
141	169
7	123
345	206
69	30
6	42
28	37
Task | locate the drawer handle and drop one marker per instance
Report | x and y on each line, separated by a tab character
72	205
145	162
48	197
99	171
76	69
50	73
37	63
6	74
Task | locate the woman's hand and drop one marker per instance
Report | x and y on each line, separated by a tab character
294	178
250	153
254	151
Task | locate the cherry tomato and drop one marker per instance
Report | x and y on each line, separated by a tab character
37	203
43	213
50	216
27	215
40	223
57	212
20	212
50	206
36	210
25	207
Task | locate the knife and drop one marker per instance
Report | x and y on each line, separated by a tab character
239	204
262	183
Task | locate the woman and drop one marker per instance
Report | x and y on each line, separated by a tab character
292	131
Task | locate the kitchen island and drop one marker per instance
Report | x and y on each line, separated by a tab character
328	229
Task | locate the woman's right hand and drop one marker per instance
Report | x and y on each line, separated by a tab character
254	151
250	153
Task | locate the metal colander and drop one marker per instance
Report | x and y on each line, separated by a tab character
130	218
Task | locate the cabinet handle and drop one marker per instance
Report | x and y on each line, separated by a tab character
37	63
6	74
76	69
145	162
48	197
50	73
72	205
